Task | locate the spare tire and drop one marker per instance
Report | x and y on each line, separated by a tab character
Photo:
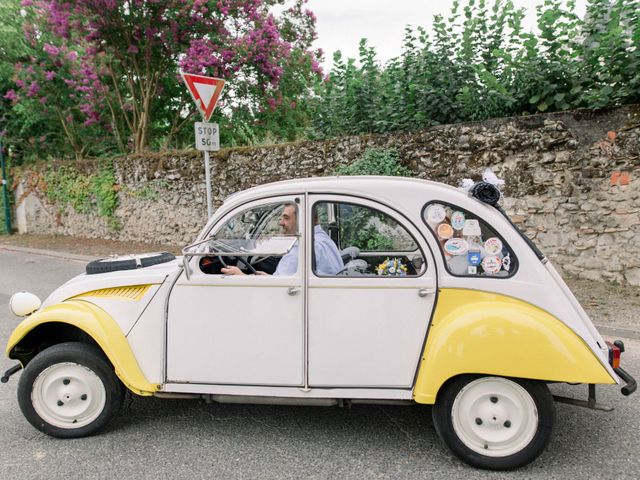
128	262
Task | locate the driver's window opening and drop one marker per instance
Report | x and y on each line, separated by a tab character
357	241
468	244
258	240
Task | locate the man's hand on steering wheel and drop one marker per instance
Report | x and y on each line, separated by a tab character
233	270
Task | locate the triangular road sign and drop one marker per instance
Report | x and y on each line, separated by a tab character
205	92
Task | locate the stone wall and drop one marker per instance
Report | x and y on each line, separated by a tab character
571	183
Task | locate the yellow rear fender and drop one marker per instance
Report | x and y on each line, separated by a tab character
486	333
95	323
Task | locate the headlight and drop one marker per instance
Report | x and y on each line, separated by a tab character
24	303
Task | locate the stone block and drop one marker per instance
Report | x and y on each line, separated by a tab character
632	276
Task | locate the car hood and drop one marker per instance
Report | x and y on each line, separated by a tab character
153	275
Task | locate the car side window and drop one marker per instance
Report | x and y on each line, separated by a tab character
262	238
469	245
357	240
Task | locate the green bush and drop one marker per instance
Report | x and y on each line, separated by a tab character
376	161
356	228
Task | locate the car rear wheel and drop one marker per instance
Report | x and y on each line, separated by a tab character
494	422
69	390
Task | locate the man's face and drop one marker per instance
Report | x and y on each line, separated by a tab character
289	220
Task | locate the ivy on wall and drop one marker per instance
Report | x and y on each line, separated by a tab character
86	193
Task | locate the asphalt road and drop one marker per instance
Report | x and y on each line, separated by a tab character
155	438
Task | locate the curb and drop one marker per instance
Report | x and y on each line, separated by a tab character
618	332
49	253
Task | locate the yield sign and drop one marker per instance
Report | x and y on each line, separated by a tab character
205	92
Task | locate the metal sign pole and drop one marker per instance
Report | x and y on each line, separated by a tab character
5	188
207	176
207	140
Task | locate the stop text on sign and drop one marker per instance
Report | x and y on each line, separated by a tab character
207	136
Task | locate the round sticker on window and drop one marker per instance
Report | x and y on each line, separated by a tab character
457	220
493	246
445	231
491	264
456	246
436	214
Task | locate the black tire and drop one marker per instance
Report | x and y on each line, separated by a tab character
105	265
69	390
514	432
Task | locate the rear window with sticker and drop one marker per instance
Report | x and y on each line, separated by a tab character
470	247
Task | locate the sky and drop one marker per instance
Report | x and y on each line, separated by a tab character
342	23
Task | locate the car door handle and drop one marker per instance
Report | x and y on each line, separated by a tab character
293	290
423	292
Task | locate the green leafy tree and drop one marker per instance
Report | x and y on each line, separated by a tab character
479	62
110	69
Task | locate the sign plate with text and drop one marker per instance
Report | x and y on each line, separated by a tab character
207	136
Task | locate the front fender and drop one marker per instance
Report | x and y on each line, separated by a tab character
96	323
492	334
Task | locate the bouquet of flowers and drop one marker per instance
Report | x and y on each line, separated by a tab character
392	267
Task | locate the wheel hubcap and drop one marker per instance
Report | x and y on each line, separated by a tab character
494	416
68	395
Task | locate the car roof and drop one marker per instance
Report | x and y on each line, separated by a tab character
378	186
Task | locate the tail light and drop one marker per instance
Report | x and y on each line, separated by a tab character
614	353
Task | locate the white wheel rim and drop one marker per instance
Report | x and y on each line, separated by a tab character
68	395
494	417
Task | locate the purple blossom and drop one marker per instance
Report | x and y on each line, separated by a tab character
34	88
11	95
72	56
51	49
132	49
50	75
316	68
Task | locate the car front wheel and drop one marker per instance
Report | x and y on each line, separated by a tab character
69	390
494	422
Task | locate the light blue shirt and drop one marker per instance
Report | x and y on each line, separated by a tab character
288	264
328	258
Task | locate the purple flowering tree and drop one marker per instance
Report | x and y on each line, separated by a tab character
114	65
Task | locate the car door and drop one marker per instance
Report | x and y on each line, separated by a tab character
240	329
368	322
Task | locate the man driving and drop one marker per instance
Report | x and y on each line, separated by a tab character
328	260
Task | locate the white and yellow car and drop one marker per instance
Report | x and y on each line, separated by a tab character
433	297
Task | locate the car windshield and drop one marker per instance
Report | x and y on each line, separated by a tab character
276	245
254	231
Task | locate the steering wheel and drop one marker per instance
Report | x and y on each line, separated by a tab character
237	260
